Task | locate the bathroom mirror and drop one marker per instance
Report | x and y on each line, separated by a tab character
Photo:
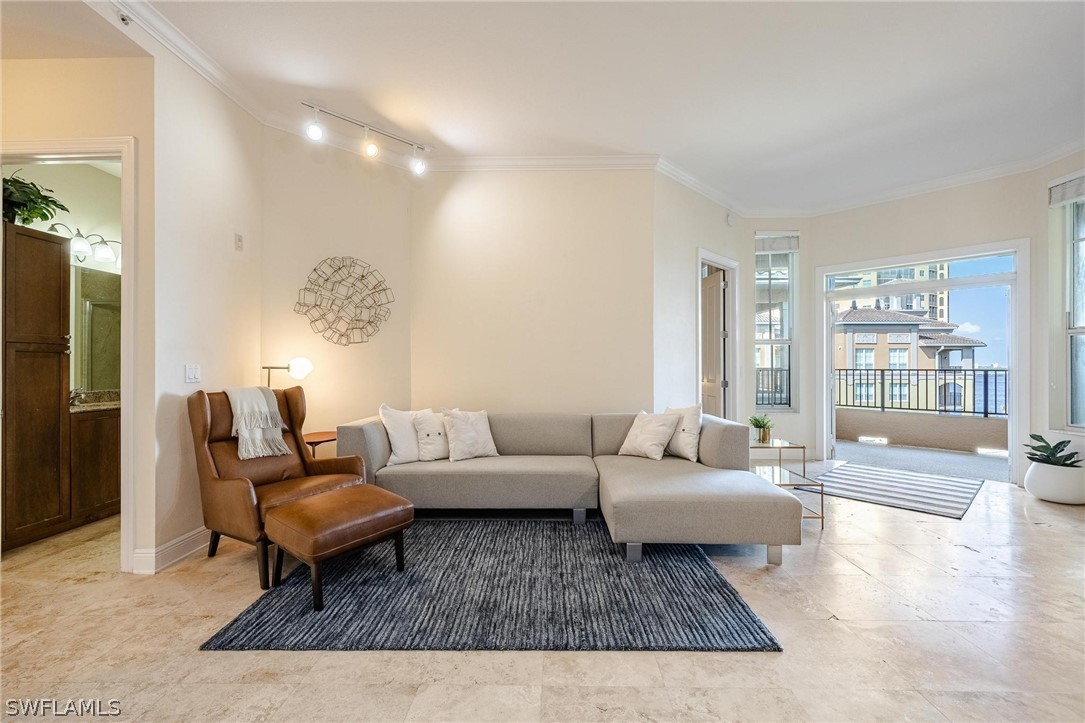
96	330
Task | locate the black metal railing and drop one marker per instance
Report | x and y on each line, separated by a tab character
978	392
773	387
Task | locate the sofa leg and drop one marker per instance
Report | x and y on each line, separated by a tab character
261	561
580	515
775	554
632	551
213	545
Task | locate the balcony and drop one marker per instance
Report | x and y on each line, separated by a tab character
963	410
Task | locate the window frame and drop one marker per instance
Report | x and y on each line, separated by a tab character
866	352
899	351
1072	209
787	340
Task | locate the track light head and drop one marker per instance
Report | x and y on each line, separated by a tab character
417	165
315	131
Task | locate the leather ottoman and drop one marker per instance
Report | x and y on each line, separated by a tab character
319	527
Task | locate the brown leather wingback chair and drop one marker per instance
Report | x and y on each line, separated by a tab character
236	493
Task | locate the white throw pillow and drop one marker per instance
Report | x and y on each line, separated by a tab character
649	435
468	435
401	434
688	433
432	437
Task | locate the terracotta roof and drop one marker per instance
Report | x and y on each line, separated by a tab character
887	316
948	340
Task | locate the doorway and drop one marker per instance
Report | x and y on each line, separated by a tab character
920	364
96	322
716	340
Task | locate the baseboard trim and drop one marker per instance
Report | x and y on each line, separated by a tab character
148	561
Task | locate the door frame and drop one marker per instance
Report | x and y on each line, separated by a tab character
731	316
122	148
1019	303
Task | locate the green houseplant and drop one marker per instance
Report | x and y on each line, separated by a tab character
763	424
1054	475
26	201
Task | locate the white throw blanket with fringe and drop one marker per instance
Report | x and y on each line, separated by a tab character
258	425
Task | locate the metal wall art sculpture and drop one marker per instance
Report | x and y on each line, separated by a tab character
345	300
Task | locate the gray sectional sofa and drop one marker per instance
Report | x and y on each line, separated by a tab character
571	461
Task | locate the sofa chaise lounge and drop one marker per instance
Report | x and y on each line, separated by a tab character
571	461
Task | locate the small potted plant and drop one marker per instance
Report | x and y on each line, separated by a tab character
1053	475
26	201
763	425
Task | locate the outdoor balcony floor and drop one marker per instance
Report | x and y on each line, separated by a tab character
927	461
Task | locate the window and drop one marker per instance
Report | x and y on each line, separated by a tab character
898	393
1076	318
898	358
864	358
864	393
774	292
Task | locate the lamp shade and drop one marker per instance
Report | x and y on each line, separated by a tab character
299	367
104	252
80	247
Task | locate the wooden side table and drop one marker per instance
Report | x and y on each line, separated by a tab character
315	439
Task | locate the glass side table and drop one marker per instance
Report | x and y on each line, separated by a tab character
789	480
780	445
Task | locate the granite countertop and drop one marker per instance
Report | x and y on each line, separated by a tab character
97	401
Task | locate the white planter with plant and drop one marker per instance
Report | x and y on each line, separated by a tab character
1054	476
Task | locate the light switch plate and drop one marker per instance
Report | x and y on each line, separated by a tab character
192	373
239	242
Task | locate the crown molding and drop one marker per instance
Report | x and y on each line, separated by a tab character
158	27
939	184
543	163
675	173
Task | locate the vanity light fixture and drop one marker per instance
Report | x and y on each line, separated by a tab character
80	247
370	149
103	252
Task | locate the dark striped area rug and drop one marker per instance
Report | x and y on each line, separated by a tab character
505	585
931	493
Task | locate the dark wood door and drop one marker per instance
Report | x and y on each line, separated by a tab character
96	464
36	335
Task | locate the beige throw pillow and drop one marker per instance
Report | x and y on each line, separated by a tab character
649	435
688	433
468	435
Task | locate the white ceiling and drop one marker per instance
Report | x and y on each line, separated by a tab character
772	108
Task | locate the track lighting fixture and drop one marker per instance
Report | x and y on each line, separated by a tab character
314	130
418	165
370	148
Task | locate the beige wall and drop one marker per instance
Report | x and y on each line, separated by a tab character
321	201
532	291
113	97
208	173
1003	209
685	222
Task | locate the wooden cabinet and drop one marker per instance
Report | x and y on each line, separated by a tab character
36	336
96	465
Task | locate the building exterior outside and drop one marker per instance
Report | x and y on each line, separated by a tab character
933	305
905	361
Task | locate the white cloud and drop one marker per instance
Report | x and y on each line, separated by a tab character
968	328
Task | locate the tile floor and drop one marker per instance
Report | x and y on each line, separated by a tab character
886	615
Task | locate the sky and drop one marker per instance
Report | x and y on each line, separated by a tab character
983	313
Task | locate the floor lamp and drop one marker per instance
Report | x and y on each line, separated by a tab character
298	368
